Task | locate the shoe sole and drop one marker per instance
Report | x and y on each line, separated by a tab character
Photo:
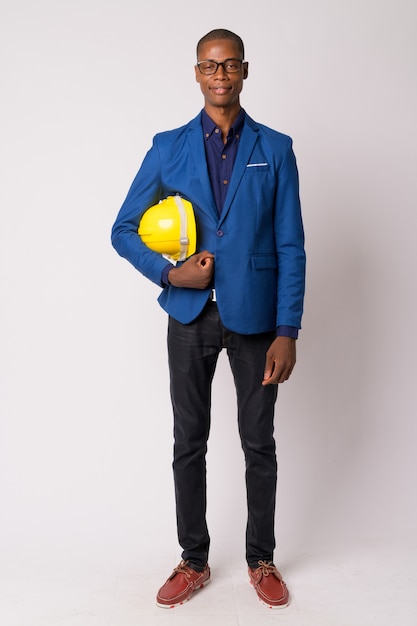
172	606
274	606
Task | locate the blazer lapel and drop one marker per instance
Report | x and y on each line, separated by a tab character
198	155
247	143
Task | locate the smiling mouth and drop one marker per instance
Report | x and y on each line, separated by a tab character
220	90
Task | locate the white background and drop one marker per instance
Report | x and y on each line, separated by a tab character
86	434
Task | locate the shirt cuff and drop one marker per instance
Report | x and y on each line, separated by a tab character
287	331
164	275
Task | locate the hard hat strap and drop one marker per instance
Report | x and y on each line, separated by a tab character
183	228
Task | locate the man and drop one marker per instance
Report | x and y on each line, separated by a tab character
242	290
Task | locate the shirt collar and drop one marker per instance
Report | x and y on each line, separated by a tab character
209	126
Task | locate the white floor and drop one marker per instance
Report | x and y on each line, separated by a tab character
361	585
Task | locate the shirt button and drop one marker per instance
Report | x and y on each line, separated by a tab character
220	233
223	156
225	182
217	131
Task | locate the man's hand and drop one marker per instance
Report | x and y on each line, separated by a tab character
280	361
196	272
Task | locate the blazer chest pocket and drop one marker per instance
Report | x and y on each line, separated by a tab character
264	261
253	168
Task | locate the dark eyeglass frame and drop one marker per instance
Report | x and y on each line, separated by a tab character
222	63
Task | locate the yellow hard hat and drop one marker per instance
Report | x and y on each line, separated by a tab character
169	228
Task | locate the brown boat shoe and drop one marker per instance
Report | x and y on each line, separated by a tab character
181	585
269	585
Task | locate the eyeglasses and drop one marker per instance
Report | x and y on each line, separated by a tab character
230	66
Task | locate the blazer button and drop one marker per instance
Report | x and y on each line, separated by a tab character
220	233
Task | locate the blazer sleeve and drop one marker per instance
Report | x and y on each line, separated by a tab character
289	237
145	191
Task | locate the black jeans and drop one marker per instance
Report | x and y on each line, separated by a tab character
193	351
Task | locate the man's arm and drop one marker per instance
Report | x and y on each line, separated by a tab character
281	356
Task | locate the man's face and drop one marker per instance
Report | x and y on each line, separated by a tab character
221	89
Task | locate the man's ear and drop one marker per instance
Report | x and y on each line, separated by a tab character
245	70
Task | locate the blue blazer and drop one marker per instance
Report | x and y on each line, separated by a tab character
258	241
